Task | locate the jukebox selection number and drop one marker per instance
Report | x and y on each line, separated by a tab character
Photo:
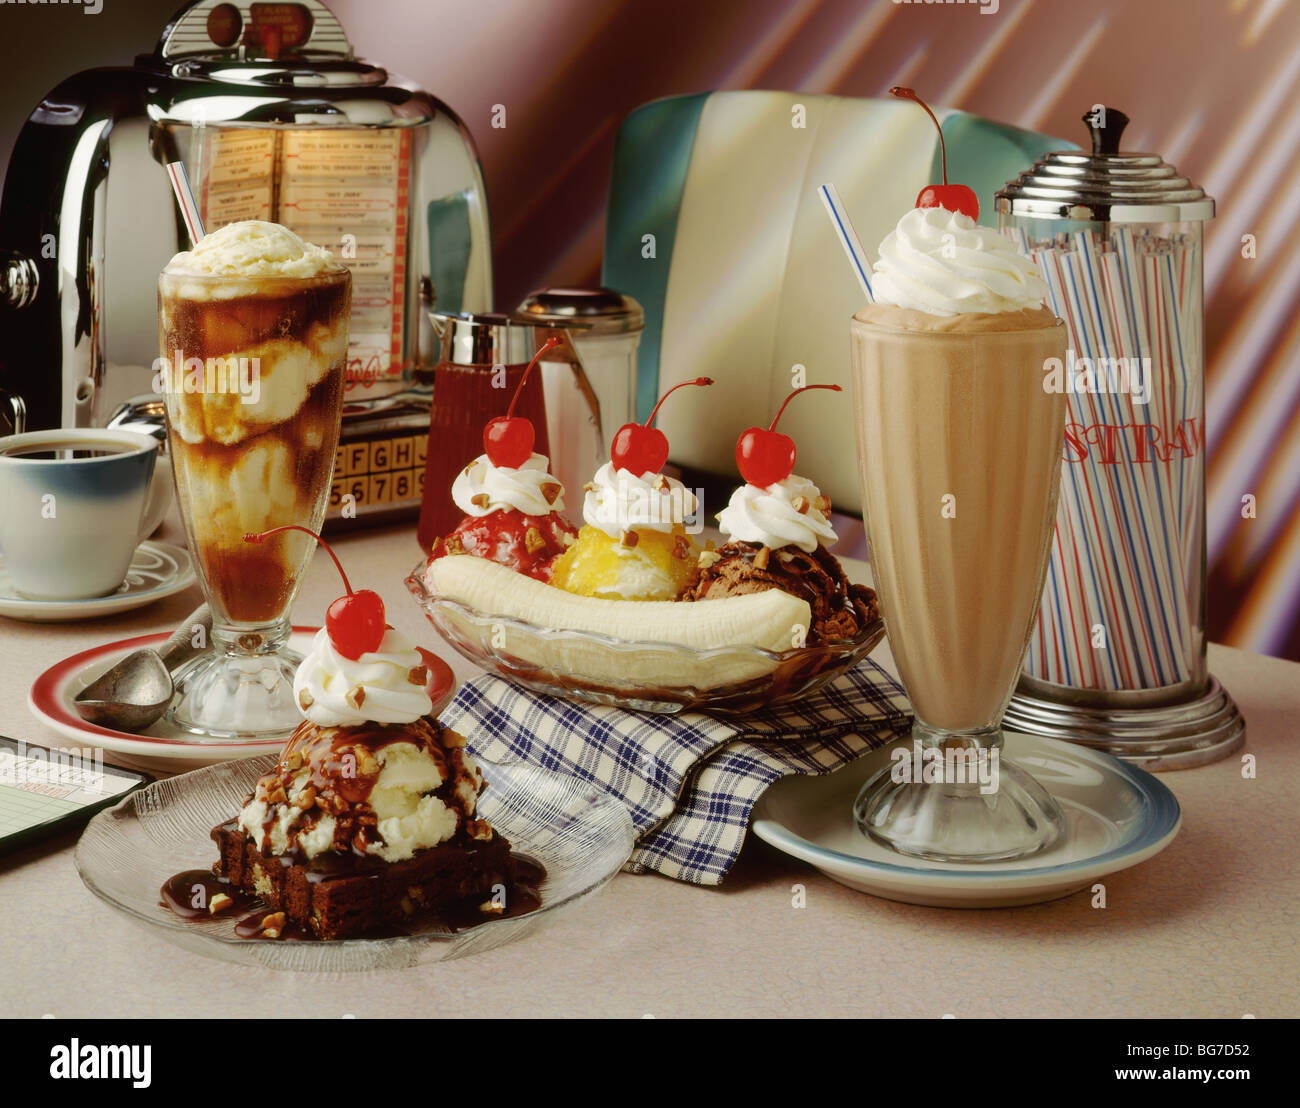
378	471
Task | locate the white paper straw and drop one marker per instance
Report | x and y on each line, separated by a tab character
185	198
848	238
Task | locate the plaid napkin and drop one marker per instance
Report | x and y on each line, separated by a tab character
691	780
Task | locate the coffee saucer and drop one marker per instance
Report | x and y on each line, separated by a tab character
1116	816
157	569
162	746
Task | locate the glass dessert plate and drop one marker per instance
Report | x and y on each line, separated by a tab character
581	835
640	675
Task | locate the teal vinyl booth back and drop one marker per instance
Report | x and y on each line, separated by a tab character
715	226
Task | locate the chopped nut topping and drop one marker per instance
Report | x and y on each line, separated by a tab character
276	794
355	697
681	547
368	763
801	504
418	676
294	760
454	545
661	483
478	829
708	558
480	500
272	924
630	539
219	903
533	541
551	490
305	700
489	907
590	486
823	505
306	799
760	559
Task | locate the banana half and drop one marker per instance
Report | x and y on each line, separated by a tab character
658	641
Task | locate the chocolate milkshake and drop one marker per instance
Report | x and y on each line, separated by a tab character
960	468
253	335
960	455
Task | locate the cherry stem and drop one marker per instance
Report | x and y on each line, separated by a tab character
259	536
549	344
908	94
833	388
698	381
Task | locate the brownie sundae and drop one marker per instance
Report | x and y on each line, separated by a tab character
512	503
778	537
369	819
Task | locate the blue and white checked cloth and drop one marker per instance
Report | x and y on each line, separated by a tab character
690	781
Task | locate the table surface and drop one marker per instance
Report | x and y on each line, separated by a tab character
1206	928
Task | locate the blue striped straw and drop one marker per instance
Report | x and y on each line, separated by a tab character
848	238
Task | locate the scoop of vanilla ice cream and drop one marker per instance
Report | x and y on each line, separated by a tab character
407	814
253	248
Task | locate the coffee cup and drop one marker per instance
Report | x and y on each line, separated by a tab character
74	505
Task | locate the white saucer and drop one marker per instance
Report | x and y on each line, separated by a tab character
163	747
157	569
1116	816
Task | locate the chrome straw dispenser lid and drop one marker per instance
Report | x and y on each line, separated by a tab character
1104	185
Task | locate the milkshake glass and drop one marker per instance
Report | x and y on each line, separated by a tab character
959	449
253	333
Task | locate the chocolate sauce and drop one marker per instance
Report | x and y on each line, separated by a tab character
520	897
251	927
189	894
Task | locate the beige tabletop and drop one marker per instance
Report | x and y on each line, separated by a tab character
1207	928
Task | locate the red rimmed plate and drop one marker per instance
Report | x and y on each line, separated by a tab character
52	694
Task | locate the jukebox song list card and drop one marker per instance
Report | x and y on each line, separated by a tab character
342	188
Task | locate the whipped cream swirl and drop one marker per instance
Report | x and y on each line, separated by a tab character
482	487
375	688
944	263
772	516
617	501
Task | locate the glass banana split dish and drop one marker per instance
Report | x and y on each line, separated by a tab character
630	609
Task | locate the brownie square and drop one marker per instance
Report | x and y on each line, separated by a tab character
338	896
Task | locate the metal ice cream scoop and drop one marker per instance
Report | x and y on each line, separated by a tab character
137	690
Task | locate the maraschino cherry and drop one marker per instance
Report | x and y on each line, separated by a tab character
508	439
767	457
642	448
355	622
953	198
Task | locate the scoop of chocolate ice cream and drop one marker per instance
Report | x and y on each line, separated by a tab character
840	610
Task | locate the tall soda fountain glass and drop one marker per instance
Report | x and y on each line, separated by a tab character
960	454
253	334
959	448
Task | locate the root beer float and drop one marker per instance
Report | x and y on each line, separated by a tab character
253	336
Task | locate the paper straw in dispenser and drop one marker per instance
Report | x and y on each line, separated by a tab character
1118	656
